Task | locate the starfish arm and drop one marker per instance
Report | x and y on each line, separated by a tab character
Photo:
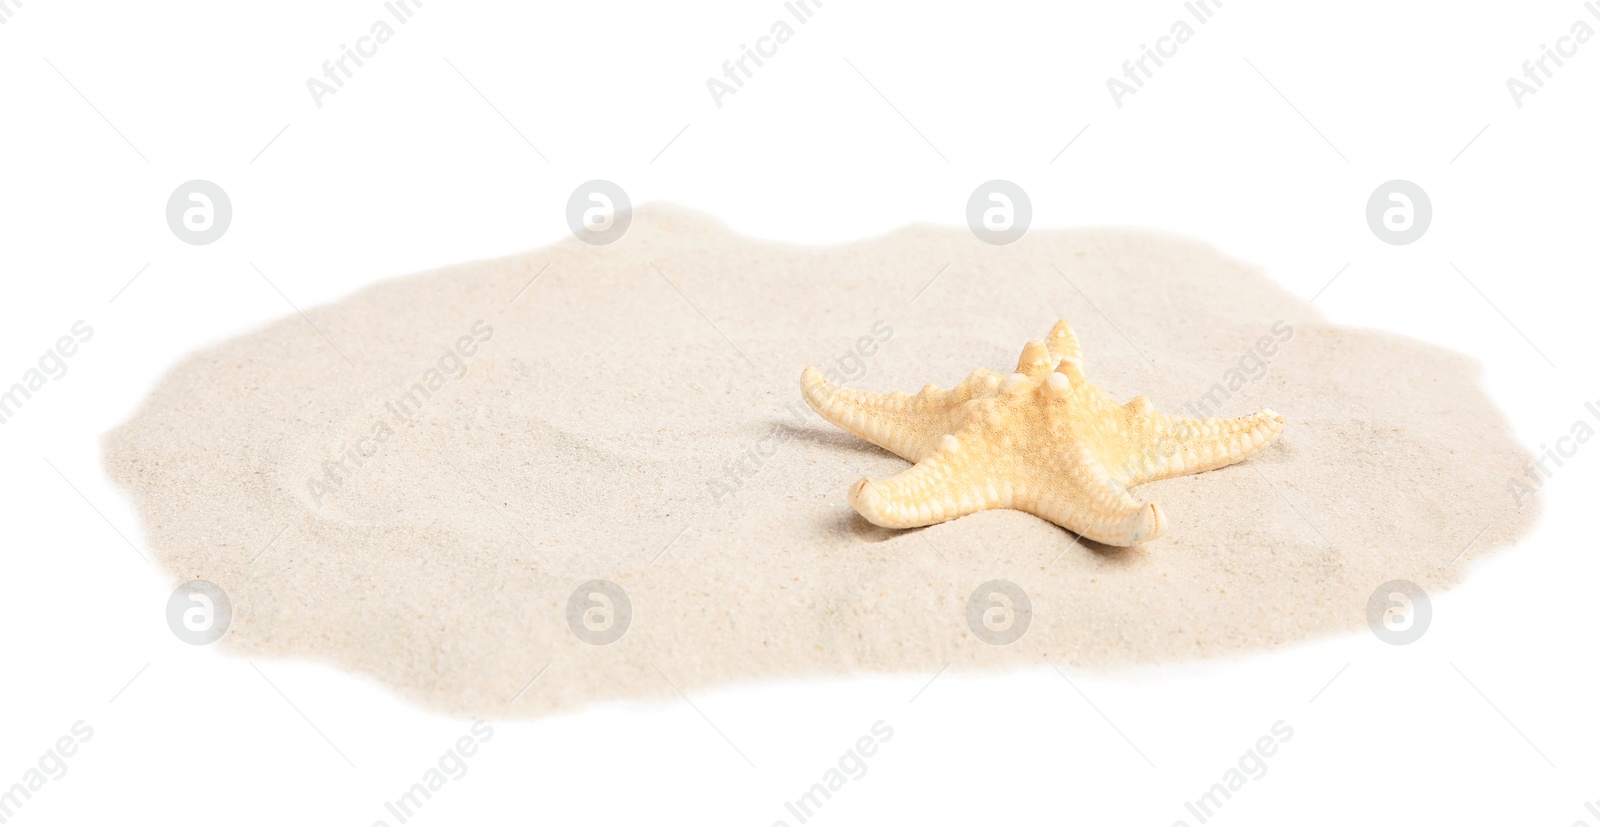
954	480
1087	499
909	426
1129	523
958	479
1162	446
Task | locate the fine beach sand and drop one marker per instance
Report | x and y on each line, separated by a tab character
633	415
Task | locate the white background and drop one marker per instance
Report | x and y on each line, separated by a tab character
872	116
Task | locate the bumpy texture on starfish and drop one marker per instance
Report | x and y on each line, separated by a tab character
1042	440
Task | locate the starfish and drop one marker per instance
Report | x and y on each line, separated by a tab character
1043	440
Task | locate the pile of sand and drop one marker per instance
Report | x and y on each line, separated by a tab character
417	493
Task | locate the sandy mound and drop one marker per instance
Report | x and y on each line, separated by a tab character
418	495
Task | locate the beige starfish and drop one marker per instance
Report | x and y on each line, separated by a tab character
1042	440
